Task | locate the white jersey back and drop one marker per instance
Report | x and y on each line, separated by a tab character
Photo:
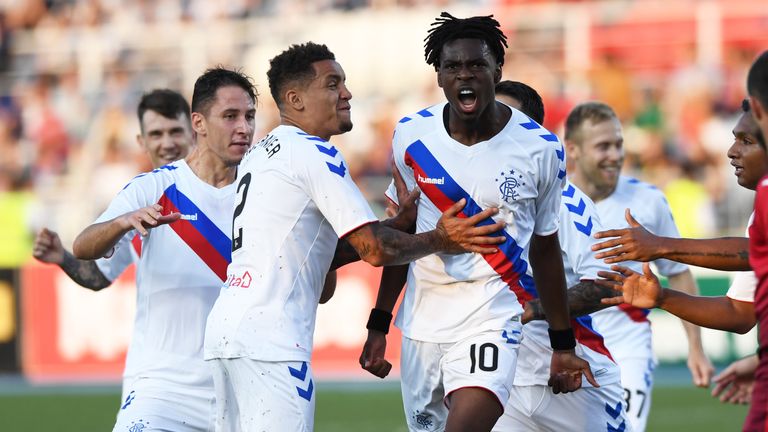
626	328
519	171
578	221
295	198
181	269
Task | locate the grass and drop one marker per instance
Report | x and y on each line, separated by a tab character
353	409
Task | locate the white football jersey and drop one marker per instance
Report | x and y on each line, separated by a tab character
578	221
626	328
519	170
295	198
126	252
744	283
179	274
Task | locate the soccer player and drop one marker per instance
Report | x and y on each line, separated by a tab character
594	142
733	312
166	136
532	405
295	200
183	213
460	316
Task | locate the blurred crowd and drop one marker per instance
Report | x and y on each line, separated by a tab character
67	112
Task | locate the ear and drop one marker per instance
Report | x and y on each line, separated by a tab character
439	79
758	110
497	75
140	141
198	124
572	149
294	99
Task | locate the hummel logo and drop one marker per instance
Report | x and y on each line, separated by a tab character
429	180
192	217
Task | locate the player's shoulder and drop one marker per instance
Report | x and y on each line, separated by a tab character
415	125
578	208
640	190
160	176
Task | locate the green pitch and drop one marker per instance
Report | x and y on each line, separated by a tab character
353	409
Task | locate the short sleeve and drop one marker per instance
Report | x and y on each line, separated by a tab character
550	186
325	176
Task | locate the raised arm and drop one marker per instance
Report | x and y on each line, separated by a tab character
645	291
638	244
97	240
48	249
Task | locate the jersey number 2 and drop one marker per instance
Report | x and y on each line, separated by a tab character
237	240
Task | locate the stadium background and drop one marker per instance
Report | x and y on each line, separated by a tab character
71	74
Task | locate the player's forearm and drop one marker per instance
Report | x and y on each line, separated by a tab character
344	255
549	277
583	298
85	273
720	313
684	282
726	253
388	247
98	239
393	279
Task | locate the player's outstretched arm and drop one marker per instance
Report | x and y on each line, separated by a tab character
380	245
583	298
734	384
638	244
645	291
698	363
566	368
372	358
48	249
97	240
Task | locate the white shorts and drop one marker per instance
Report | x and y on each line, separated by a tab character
430	372
257	396
537	409
637	380
152	406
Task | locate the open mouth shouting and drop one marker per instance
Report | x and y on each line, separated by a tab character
467	100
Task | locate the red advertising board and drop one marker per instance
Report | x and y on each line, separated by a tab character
69	333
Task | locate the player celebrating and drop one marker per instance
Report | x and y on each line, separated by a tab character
166	136
183	212
460	315
594	141
295	200
592	408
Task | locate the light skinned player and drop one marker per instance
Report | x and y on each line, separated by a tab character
183	213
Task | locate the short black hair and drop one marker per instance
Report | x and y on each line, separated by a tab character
758	132
593	111
530	100
757	79
212	80
295	64
166	102
448	28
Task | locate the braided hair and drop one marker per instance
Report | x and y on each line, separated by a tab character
448	28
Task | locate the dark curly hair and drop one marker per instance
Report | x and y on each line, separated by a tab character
295	64
448	28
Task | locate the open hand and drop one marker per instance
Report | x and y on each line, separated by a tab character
146	218
565	372
628	244
470	234
640	290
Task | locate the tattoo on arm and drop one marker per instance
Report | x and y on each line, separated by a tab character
85	273
344	254
583	298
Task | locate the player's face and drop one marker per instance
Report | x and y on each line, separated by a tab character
229	124
747	156
468	74
600	153
165	139
326	100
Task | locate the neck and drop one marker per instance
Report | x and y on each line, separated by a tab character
477	129
595	193
209	167
287	119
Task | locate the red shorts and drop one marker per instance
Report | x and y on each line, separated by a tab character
757	419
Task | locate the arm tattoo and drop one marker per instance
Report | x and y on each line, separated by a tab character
344	254
583	298
85	273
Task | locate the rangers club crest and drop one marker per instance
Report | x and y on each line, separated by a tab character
508	183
